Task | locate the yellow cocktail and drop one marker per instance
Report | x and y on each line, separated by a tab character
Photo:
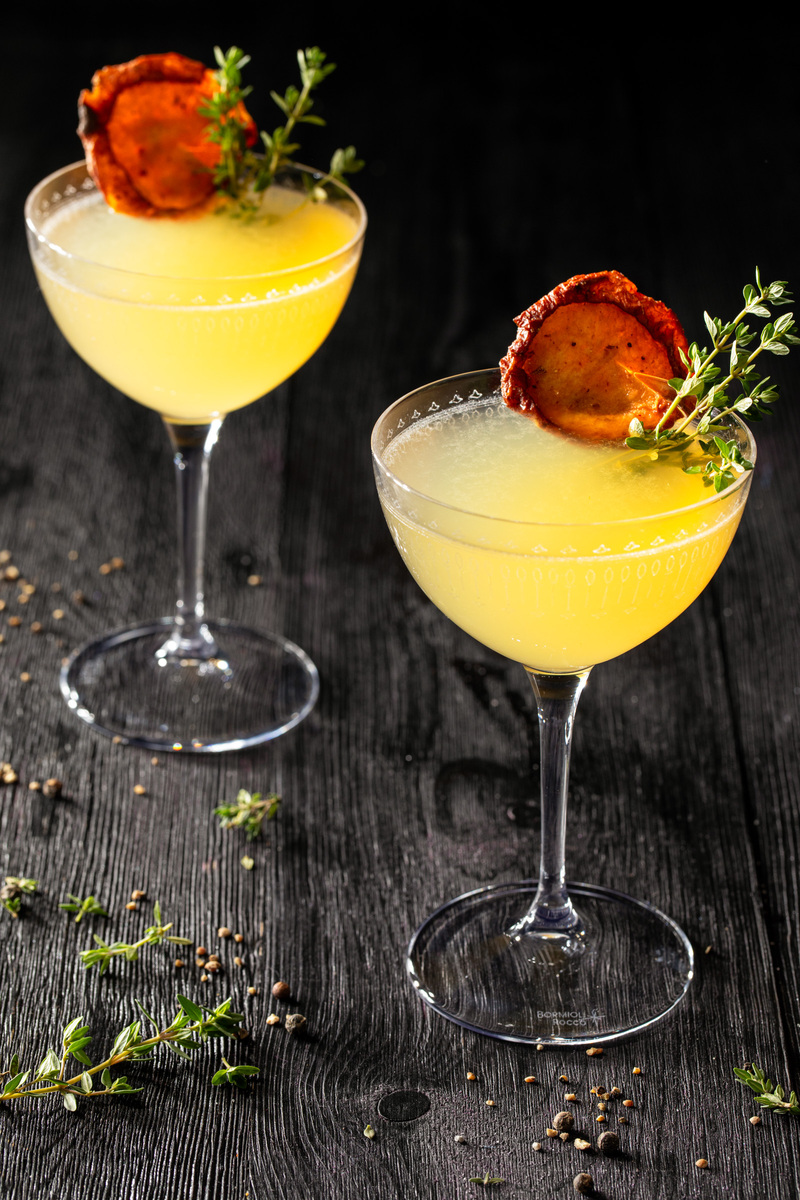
194	315
559	554
198	314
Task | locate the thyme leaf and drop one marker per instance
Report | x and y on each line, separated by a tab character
84	908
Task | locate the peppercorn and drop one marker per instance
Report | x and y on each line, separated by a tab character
608	1142
281	990
583	1183
563	1122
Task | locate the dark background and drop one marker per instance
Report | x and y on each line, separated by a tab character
505	152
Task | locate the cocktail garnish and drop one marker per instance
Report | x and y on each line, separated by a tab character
593	355
700	440
239	169
144	138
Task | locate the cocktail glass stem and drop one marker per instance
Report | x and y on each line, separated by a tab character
552	915
190	638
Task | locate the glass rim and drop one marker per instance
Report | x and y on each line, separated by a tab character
37	233
620	522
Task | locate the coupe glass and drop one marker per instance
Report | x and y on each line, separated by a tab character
546	961
193	349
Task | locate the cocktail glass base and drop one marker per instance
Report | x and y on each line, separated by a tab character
257	686
627	969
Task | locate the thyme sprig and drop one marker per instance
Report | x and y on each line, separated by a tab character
249	812
83	908
693	427
190	1028
487	1181
767	1095
240	169
102	953
13	890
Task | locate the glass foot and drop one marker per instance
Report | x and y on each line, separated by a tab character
627	967
256	687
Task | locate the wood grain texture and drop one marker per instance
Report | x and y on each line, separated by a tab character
414	779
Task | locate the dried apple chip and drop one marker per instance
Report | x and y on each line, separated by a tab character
592	355
144	139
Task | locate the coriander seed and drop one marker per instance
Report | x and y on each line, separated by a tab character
294	1022
702	1163
756	1120
563	1121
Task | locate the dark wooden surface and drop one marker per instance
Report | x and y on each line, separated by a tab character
503	157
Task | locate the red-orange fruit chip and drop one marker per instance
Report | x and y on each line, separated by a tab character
592	355
145	141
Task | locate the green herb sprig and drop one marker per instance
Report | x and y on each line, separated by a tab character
693	429
190	1028
487	1181
12	892
236	1076
240	169
249	812
102	954
767	1095
83	908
